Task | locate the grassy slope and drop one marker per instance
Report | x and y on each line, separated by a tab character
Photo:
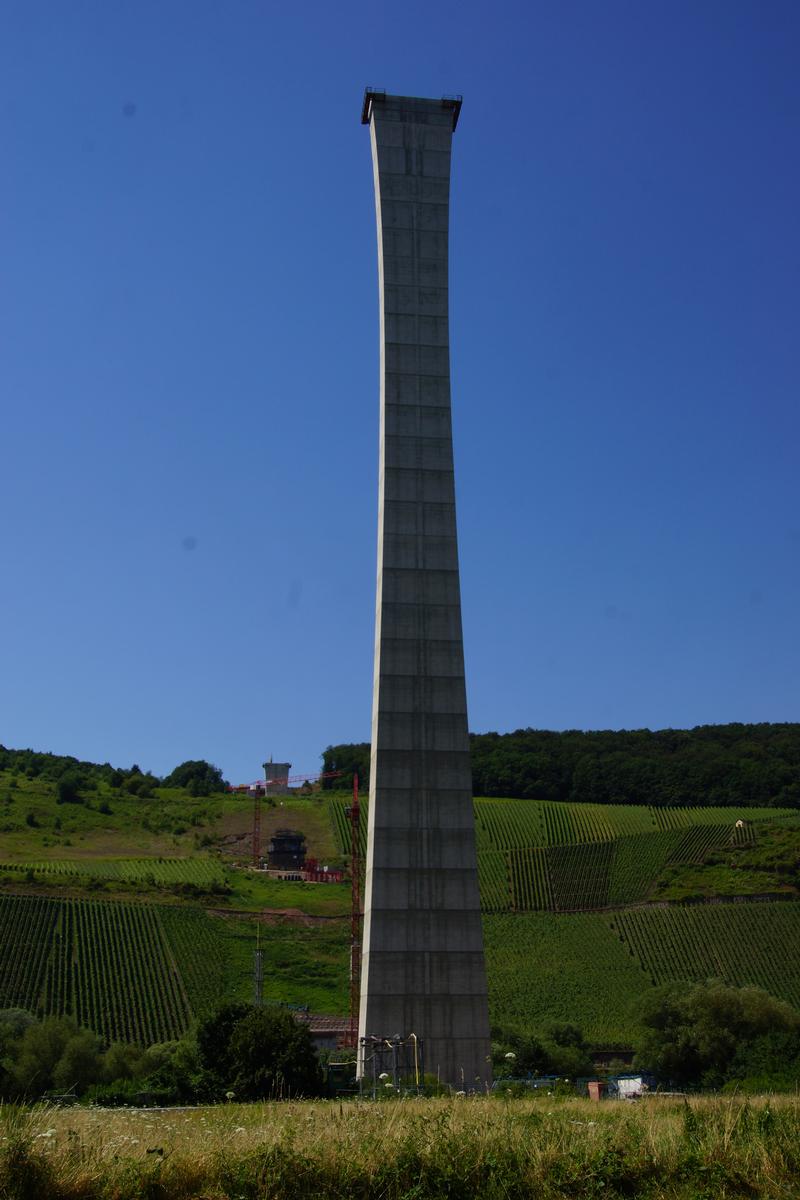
541	966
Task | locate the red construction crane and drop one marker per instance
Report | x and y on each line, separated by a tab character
258	789
261	784
353	812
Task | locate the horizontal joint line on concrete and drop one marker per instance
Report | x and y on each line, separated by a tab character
426	471
408	258
422	604
385	173
406	404
420	437
425	641
414	712
420	346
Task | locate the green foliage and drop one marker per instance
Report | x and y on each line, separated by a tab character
139	784
213	1039
708	765
172	1073
350	759
339	812
205	873
711	764
559	1048
68	957
709	1033
68	788
56	1055
541	855
177	964
258	1053
566	968
744	944
199	777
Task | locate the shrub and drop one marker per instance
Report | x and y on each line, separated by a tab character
68	789
201	778
259	1053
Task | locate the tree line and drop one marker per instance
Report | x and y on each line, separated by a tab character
695	1036
73	777
707	765
242	1051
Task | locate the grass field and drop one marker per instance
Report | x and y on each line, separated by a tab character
462	1148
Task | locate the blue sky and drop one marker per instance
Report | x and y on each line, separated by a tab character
189	367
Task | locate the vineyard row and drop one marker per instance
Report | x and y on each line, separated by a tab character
131	972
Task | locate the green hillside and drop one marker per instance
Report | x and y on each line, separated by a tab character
541	855
142	972
137	911
591	968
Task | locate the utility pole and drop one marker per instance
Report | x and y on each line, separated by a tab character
258	971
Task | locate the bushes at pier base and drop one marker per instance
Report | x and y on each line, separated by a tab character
459	1148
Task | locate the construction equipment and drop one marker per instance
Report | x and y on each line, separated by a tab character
259	788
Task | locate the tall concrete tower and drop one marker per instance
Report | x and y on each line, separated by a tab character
422	966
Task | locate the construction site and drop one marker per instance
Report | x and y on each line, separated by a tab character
283	857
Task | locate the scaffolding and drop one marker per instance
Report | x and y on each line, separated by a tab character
394	1064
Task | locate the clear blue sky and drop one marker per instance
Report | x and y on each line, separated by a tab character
189	367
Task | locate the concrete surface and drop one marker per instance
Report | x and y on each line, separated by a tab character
423	966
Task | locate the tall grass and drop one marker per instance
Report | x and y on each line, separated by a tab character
406	1150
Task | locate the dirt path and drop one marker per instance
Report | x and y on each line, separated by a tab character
275	916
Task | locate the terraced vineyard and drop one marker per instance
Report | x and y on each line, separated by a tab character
203	872
741	943
544	967
27	927
637	860
340	821
571	857
143	971
539	855
131	972
591	968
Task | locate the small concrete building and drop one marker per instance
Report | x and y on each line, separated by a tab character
287	850
277	778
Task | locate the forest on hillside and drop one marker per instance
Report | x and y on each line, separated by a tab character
710	764
73	776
